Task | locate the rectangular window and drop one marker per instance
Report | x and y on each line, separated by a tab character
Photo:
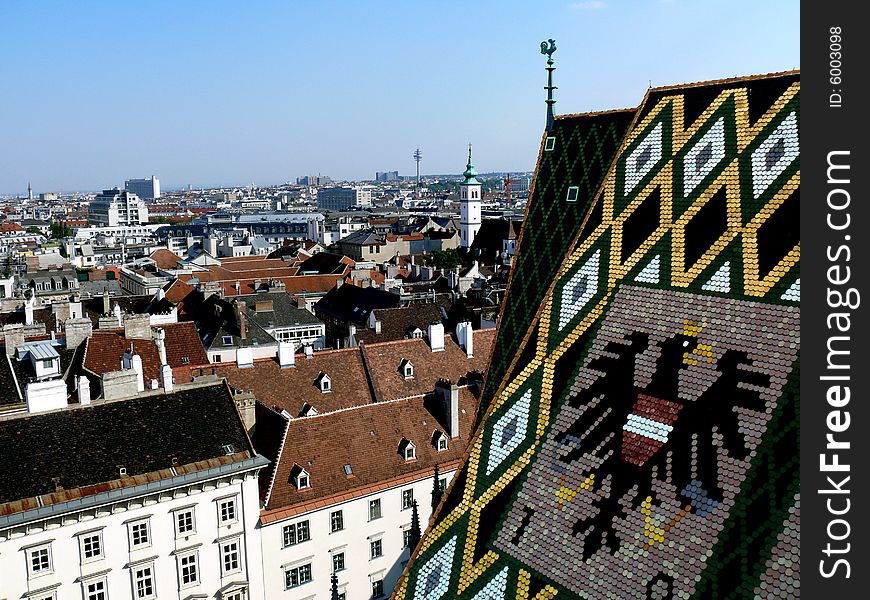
336	520
143	579
374	509
573	192
377	549
189	569
92	546
139	534
297	576
230	553
406	538
227	510
338	562
442	484
39	560
96	590
378	588
550	144
296	533
184	522
407	499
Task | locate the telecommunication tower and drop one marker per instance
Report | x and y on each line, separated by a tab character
418	156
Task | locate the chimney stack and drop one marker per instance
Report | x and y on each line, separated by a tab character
160	340
309	351
134	362
166	378
286	354
84	389
107	310
436	336
465	336
28	311
239	306
448	395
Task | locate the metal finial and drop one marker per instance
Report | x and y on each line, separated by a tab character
548	49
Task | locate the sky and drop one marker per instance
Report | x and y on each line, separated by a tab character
212	93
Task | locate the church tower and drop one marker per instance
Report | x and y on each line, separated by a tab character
469	203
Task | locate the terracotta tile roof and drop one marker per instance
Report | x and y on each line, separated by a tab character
289	389
293	284
451	363
164	258
366	438
7	227
177	291
105	349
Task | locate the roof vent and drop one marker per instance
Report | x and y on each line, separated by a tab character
228	449
122	471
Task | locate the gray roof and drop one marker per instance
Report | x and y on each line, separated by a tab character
284	312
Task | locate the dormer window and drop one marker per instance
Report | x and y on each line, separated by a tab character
406	368
323	383
439	440
300	478
308	410
407	449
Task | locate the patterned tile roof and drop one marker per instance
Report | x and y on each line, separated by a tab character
641	440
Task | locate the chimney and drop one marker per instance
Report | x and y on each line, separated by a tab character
166	378
134	362
107	310
465	336
309	351
77	331
286	354
377	326
436	336
117	312
84	388
13	336
137	327
448	395
160	340
28	311
239	307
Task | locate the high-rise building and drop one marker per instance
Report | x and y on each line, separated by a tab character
114	207
340	198
147	189
387	176
310	180
469	204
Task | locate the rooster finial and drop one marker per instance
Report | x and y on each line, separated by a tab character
548	48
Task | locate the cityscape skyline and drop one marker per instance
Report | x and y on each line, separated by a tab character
230	96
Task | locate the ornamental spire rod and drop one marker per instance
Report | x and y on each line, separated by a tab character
548	49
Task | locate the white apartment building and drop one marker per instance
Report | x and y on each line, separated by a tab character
114	207
148	188
147	498
340	500
341	198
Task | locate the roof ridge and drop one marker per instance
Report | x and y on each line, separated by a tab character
277	459
694	84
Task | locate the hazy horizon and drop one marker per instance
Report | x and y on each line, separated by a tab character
224	94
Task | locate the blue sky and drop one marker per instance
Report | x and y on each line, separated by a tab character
213	92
